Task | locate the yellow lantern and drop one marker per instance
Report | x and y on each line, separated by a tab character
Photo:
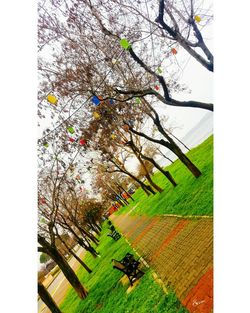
96	115
52	99
113	136
197	18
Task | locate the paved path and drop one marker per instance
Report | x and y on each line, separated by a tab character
59	287
180	250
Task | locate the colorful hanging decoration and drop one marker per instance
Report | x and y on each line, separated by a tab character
52	99
125	127
45	144
157	87
159	70
71	139
71	130
42	220
131	123
111	101
197	18
174	51
42	200
125	44
96	115
137	100
96	100
113	136
82	142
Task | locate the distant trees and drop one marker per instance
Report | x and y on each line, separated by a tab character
44	258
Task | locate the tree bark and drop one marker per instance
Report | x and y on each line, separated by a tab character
128	194
165	173
75	255
137	154
147	189
64	266
47	299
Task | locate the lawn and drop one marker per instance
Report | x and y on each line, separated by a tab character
192	196
106	292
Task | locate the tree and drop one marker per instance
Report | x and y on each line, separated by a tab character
50	249
47	299
44	258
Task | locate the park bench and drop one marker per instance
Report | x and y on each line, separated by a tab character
129	266
115	235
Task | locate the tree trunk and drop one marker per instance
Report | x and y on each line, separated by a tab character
153	184
75	255
144	186
47	299
165	173
127	193
64	266
137	154
80	261
186	161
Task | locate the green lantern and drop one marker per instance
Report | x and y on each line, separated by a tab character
125	44
137	100
71	130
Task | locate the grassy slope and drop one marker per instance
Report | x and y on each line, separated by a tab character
192	196
107	294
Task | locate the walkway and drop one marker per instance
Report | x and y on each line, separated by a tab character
180	250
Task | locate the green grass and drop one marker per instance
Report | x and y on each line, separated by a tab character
192	196
107	294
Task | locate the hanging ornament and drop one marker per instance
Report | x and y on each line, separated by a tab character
96	115
82	142
45	144
113	136
43	201
157	87
197	18
159	70
131	123
96	100
125	44
174	51
52	99
71	130
137	100
111	101
71	139
125	127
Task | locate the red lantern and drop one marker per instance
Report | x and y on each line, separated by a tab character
71	139
174	51
157	87
82	142
43	201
